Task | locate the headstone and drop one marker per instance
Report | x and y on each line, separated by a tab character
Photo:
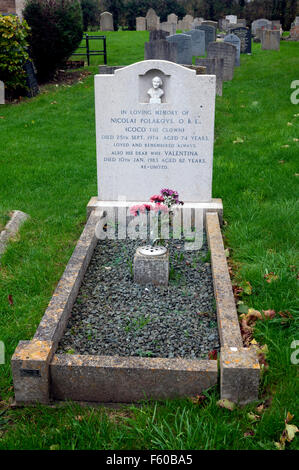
196	22
2	92
160	49
242	21
234	26
184	47
227	52
31	80
106	21
294	33
169	27
198	42
140	23
296	21
232	18
143	146
210	33
270	40
213	67
211	23
261	23
158	34
152	20
223	24
244	35
233	39
276	25
186	23
172	18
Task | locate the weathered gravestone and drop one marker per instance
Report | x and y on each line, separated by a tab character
184	47
106	21
172	18
210	33
242	21
169	27
31	81
140	23
160	49
227	52
261	23
214	24
157	34
213	66
198	42
143	145
244	35
233	39
2	92
223	24
232	18
152	20
270	40
276	25
196	22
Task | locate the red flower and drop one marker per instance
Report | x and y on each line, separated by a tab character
157	198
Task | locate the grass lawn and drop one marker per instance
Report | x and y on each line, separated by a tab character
48	170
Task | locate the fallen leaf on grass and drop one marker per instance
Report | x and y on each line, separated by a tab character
246	286
270	277
253	417
288	433
224	403
198	399
289	124
248	433
54	447
242	308
10	299
284	146
295	140
286	314
238	141
281	161
269	313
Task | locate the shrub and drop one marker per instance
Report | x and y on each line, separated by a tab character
13	53
56	32
91	13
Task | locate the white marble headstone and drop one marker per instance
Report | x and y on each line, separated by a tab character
143	147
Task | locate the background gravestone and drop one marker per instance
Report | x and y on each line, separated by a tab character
31	80
261	23
233	39
158	34
214	24
270	40
184	47
2	92
213	66
210	33
172	18
169	27
244	35
232	18
157	161
106	21
152	20
140	23
226	51
198	42
160	49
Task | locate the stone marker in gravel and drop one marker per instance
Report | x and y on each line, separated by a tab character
235	41
142	146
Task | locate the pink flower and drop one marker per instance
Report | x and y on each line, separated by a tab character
160	208
140	209
157	198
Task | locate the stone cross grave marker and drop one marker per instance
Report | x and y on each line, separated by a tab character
153	134
233	39
184	47
244	35
226	51
106	21
198	42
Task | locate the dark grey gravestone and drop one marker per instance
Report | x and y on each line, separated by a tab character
226	51
158	34
233	39
184	48
210	33
198	42
161	49
244	35
214	66
31	80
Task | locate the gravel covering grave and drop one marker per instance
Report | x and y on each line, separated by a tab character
113	316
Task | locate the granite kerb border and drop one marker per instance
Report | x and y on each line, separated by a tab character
41	376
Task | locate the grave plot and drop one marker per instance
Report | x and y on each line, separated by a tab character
109	337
